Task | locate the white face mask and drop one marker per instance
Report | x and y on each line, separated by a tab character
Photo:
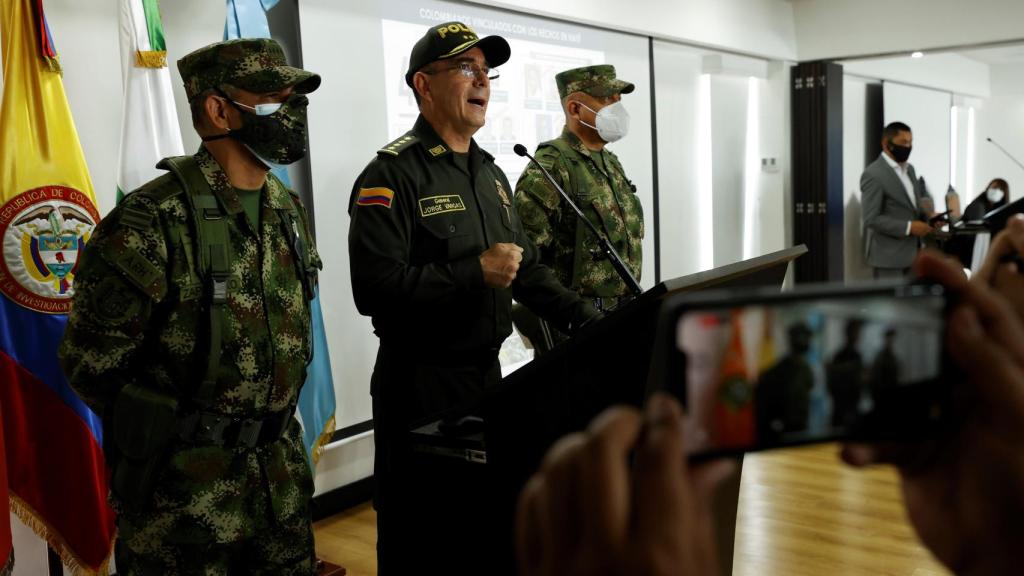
994	195
612	121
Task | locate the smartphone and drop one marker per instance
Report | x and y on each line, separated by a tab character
759	370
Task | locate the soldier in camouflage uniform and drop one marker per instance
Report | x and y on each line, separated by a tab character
190	333
592	175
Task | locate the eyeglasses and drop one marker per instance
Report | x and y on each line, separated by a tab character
469	70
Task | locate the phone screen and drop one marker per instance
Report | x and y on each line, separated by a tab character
807	370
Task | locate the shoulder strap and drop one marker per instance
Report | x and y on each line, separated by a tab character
564	153
214	261
399	144
581	256
297	229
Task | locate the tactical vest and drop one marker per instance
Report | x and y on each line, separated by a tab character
148	422
581	254
214	250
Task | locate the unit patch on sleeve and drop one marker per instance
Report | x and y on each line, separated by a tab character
434	205
375	197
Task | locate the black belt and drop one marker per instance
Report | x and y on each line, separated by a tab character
480	358
210	428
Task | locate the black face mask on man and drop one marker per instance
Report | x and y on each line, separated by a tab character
274	133
899	153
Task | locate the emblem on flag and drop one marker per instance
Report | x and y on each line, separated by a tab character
43	231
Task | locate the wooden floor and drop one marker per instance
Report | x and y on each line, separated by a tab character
801	513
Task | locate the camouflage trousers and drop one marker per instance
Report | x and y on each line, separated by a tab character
278	550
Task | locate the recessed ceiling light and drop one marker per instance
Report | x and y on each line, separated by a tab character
917	55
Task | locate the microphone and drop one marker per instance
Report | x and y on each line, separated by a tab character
607	251
1003	150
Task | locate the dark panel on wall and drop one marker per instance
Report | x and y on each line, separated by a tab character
873	119
834	207
656	207
818	169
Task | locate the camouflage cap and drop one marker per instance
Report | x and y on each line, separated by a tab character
599	81
253	64
451	39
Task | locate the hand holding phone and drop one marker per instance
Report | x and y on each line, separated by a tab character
758	371
964	490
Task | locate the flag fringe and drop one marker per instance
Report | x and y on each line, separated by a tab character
151	58
74	565
323	440
53	64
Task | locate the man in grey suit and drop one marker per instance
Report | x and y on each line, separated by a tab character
896	206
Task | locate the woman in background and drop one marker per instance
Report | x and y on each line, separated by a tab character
995	196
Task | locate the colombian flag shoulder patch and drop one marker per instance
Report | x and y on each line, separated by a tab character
375	197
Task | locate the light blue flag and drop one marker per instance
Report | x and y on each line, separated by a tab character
248	19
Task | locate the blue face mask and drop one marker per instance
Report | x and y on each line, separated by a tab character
261	109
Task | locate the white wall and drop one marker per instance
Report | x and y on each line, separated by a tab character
728	146
941	71
712	223
677	76
927	113
756	27
1001	119
846	28
772	214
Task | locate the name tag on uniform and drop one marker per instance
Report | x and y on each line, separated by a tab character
434	205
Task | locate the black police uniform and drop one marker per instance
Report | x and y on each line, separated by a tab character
420	222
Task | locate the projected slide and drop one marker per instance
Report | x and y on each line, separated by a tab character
524	105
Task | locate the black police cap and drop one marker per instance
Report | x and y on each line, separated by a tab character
451	39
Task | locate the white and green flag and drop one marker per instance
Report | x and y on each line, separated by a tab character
149	125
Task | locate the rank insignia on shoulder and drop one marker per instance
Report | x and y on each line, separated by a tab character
501	192
396	147
375	197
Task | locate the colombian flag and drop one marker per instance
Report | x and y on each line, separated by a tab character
56	473
375	197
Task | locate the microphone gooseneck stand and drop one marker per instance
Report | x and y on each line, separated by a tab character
607	251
